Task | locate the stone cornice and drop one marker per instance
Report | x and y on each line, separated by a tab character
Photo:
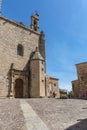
19	25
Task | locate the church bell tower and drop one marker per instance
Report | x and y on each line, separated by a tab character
34	22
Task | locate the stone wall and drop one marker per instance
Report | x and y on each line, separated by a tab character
75	88
80	86
42	79
35	85
42	44
37	68
12	34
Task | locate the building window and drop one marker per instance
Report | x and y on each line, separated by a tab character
42	69
55	84
73	87
42	62
35	25
42	80
81	78
20	50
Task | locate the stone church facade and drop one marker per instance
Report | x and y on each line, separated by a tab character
23	61
79	86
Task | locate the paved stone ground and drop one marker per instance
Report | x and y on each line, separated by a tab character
11	116
57	114
32	120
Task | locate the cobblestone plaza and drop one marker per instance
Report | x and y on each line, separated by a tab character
44	113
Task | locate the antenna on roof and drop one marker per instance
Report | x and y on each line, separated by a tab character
0	7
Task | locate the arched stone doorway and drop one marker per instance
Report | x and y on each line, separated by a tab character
18	88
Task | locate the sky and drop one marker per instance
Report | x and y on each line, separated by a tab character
64	23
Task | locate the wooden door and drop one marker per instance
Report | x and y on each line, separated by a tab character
19	88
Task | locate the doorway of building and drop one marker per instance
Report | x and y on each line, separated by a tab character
19	88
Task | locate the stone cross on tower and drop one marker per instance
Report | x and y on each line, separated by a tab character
0	7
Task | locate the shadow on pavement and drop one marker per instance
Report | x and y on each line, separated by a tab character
81	125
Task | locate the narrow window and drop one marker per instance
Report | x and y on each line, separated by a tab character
35	25
55	84
81	77
20	50
42	80
42	69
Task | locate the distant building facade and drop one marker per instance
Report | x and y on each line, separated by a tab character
23	61
52	85
79	86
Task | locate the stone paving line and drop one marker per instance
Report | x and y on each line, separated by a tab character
61	114
32	120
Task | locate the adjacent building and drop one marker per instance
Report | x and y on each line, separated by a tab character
79	86
23	60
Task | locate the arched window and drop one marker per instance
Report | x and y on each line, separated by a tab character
35	25
20	50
